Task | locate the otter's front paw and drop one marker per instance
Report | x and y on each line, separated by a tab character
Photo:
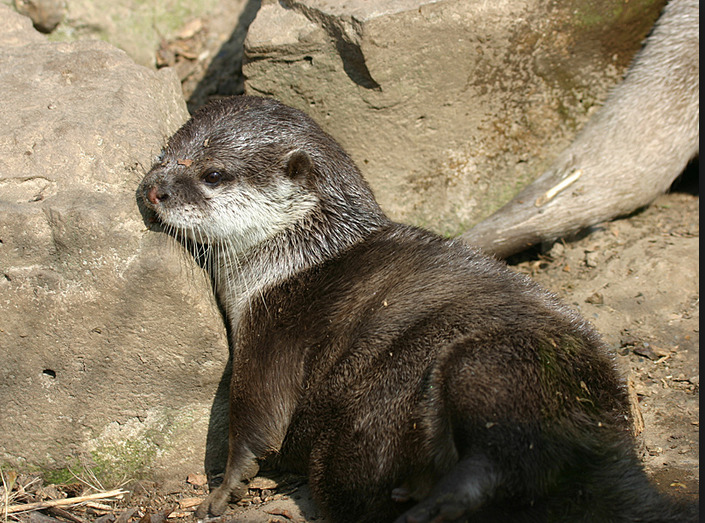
217	501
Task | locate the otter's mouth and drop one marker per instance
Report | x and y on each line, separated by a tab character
151	217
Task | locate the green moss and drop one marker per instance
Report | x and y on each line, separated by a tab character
135	448
110	465
599	14
61	476
114	461
596	13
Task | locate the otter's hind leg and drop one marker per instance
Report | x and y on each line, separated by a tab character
459	493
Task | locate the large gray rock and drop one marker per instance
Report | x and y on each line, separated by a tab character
448	106
108	360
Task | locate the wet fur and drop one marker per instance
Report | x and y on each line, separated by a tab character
408	375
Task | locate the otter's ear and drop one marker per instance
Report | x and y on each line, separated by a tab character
298	164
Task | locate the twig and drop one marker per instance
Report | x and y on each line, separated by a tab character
40	505
8	487
58	511
553	191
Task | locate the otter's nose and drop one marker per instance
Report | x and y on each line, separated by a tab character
154	195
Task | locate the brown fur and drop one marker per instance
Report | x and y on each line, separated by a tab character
411	377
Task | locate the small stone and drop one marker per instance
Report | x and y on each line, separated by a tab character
198	480
557	250
189	502
596	299
261	483
190	29
591	259
649	351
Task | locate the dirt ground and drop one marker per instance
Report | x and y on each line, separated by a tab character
636	279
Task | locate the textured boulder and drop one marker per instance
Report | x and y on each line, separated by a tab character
106	362
448	106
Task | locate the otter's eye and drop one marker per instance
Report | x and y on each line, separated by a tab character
213	178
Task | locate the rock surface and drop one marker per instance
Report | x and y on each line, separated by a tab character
447	106
105	361
134	26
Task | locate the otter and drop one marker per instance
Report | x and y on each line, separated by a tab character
411	377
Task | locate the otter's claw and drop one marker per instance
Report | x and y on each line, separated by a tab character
217	501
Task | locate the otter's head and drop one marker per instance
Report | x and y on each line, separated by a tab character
244	169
